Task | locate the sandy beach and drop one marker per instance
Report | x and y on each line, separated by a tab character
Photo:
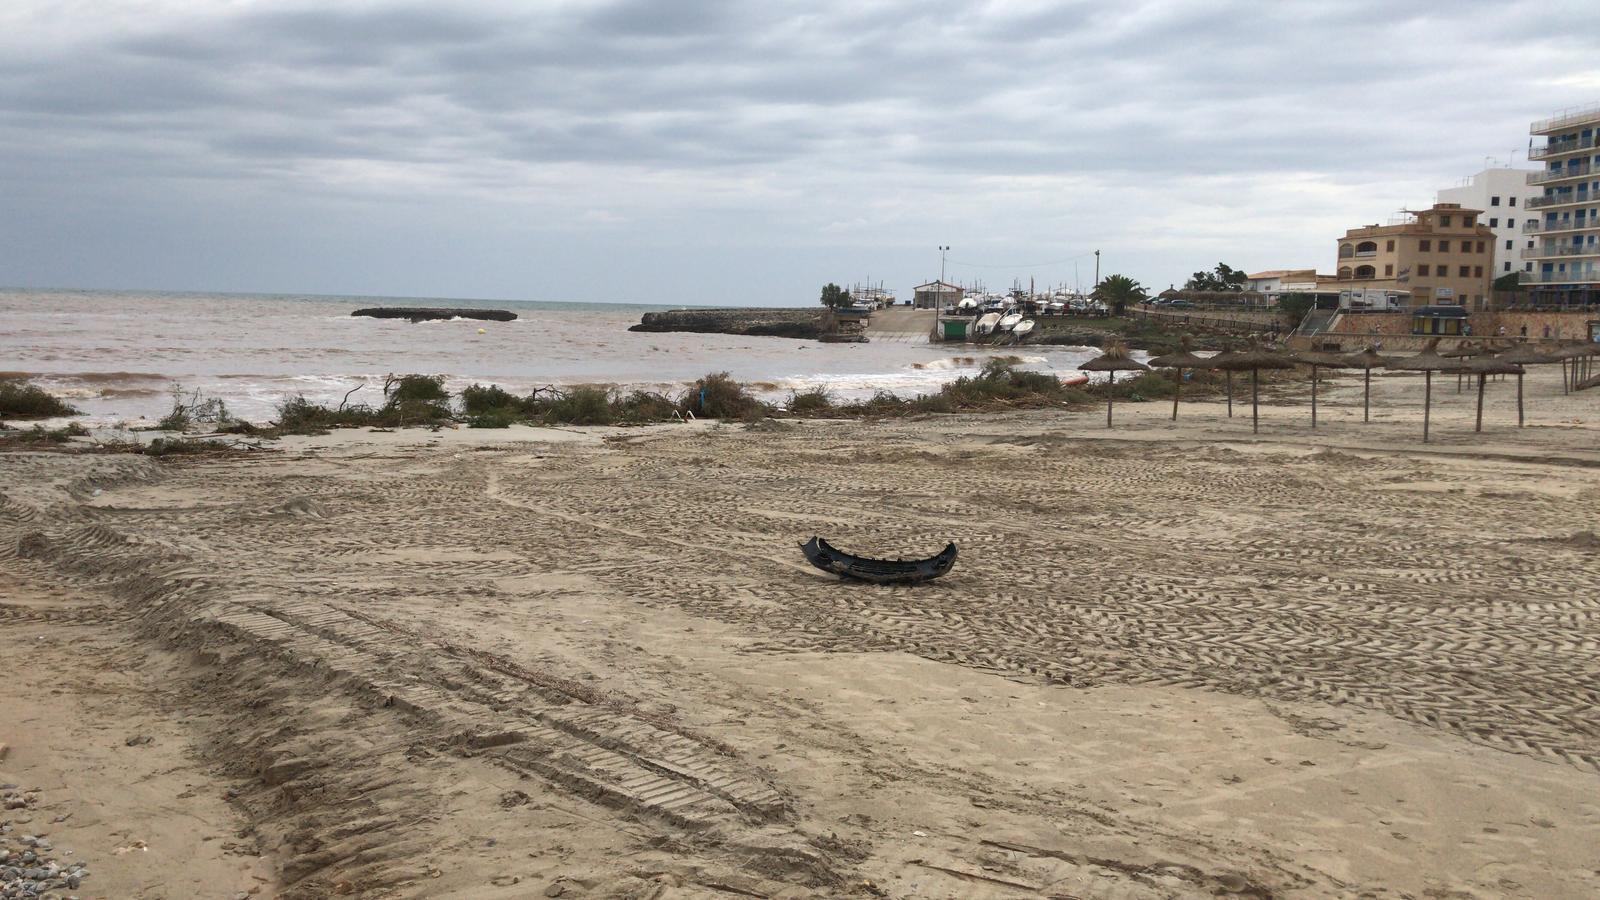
1174	659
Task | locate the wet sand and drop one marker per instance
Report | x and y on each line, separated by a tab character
1173	660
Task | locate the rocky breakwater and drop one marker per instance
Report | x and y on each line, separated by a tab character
791	323
426	313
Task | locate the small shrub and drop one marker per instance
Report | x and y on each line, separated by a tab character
426	388
297	415
194	409
581	406
21	400
814	402
717	395
478	399
642	407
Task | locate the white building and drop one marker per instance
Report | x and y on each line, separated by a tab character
1564	267
1502	194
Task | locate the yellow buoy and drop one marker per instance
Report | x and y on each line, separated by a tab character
481	331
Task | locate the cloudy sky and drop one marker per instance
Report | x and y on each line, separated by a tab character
741	152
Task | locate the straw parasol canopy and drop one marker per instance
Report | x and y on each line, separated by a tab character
1366	360
1115	359
1427	362
1177	362
1318	359
1253	360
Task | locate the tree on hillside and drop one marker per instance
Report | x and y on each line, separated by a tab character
1295	306
1223	278
835	297
1117	291
1511	281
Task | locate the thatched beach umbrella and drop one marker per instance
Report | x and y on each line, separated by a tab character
1177	362
1462	351
1317	359
1483	367
1427	362
1366	360
1113	360
1254	360
1568	350
1522	355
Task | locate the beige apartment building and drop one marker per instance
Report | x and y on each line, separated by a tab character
1439	256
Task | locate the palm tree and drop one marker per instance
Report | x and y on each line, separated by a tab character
1117	291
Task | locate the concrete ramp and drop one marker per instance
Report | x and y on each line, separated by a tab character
902	323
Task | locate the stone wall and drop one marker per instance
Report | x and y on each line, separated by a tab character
760	321
1540	325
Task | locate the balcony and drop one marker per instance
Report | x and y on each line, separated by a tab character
1589	277
1547	176
1567	199
1563	251
1556	148
1541	227
1572	115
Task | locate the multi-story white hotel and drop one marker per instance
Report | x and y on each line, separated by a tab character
1500	193
1563	220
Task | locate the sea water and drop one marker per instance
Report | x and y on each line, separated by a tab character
121	355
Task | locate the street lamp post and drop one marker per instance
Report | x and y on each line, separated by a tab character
938	298
1097	268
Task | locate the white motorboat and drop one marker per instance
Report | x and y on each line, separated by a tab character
986	323
1022	329
1009	321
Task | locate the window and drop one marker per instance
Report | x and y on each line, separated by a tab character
1422	270
1464	271
1344	271
1444	221
1444	246
1388	269
1494	223
1389	246
1346	251
1527	267
1425	246
1508	245
1477	271
1507	268
1530	245
1511	202
1366	272
1366	248
1466	221
1480	246
1494	201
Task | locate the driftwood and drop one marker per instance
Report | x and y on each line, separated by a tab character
425	313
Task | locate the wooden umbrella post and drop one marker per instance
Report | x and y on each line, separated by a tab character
1111	383
1366	397
1177	388
1255	402
1519	399
1313	396
1481	379
1230	393
1427	401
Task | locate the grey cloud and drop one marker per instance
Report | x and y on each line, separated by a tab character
858	99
